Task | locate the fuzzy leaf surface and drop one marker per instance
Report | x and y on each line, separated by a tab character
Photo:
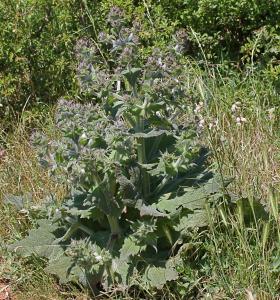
64	269
158	276
197	219
193	198
40	242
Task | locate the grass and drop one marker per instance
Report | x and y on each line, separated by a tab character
241	255
245	259
20	173
247	151
236	259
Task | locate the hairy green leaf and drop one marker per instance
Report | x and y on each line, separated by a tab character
158	276
197	219
40	241
151	134
130	248
64	268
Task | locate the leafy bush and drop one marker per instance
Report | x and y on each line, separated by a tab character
223	27
263	46
36	54
137	182
262	52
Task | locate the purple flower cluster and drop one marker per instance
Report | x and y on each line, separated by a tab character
115	17
182	42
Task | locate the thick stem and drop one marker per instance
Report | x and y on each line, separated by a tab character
115	232
141	150
142	159
162	184
155	147
114	226
113	221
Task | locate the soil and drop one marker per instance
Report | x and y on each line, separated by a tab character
5	290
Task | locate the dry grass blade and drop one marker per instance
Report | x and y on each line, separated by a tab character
20	173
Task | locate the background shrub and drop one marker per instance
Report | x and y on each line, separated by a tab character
223	26
35	53
38	36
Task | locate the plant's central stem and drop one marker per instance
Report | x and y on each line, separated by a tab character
113	221
114	225
142	159
115	232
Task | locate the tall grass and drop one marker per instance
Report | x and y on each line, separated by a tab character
248	151
20	174
241	255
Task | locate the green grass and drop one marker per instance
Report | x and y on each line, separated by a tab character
248	152
233	259
242	260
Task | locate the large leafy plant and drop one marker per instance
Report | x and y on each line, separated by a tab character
137	184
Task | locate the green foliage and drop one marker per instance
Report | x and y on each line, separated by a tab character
137	180
262	52
222	27
37	63
37	50
263	47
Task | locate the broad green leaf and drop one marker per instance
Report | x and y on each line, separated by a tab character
214	185
130	248
64	269
197	219
158	276
194	199
79	204
124	270
40	241
151	134
152	211
158	170
123	264
147	210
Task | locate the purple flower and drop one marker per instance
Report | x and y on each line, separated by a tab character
115	17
